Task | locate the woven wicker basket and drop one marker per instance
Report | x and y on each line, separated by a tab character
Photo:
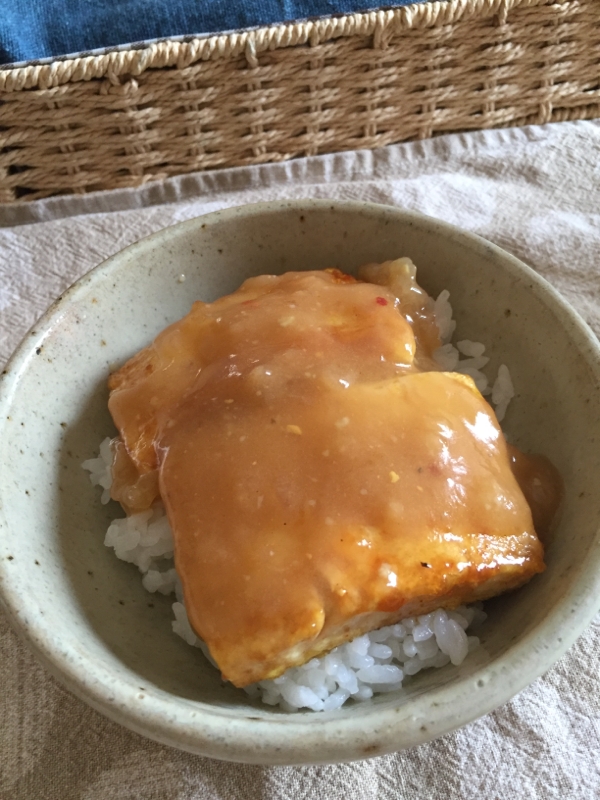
362	81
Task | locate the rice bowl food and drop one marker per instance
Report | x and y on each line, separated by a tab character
381	656
110	642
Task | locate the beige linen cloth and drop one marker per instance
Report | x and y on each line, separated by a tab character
535	192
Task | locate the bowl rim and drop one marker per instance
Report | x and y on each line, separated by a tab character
223	733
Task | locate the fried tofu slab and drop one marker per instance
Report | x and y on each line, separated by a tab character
321	476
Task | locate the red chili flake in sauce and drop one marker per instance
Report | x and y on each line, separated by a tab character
381	301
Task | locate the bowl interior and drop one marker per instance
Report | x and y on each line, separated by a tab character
87	614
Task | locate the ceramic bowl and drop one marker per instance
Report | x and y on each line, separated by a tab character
86	614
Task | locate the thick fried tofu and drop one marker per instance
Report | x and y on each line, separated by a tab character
319	483
330	514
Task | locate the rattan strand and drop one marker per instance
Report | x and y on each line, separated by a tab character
361	81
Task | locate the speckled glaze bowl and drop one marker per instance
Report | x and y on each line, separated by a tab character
86	614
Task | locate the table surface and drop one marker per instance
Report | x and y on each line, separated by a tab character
533	191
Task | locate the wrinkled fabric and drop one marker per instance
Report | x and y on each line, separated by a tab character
47	28
533	191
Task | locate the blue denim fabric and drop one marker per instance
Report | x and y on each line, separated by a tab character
32	29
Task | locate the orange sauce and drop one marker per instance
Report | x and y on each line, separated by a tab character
541	484
320	474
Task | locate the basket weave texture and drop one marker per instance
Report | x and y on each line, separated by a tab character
123	118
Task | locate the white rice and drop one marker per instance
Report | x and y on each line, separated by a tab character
502	392
448	358
376	662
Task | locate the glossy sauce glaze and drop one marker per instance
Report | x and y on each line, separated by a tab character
541	485
321	476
